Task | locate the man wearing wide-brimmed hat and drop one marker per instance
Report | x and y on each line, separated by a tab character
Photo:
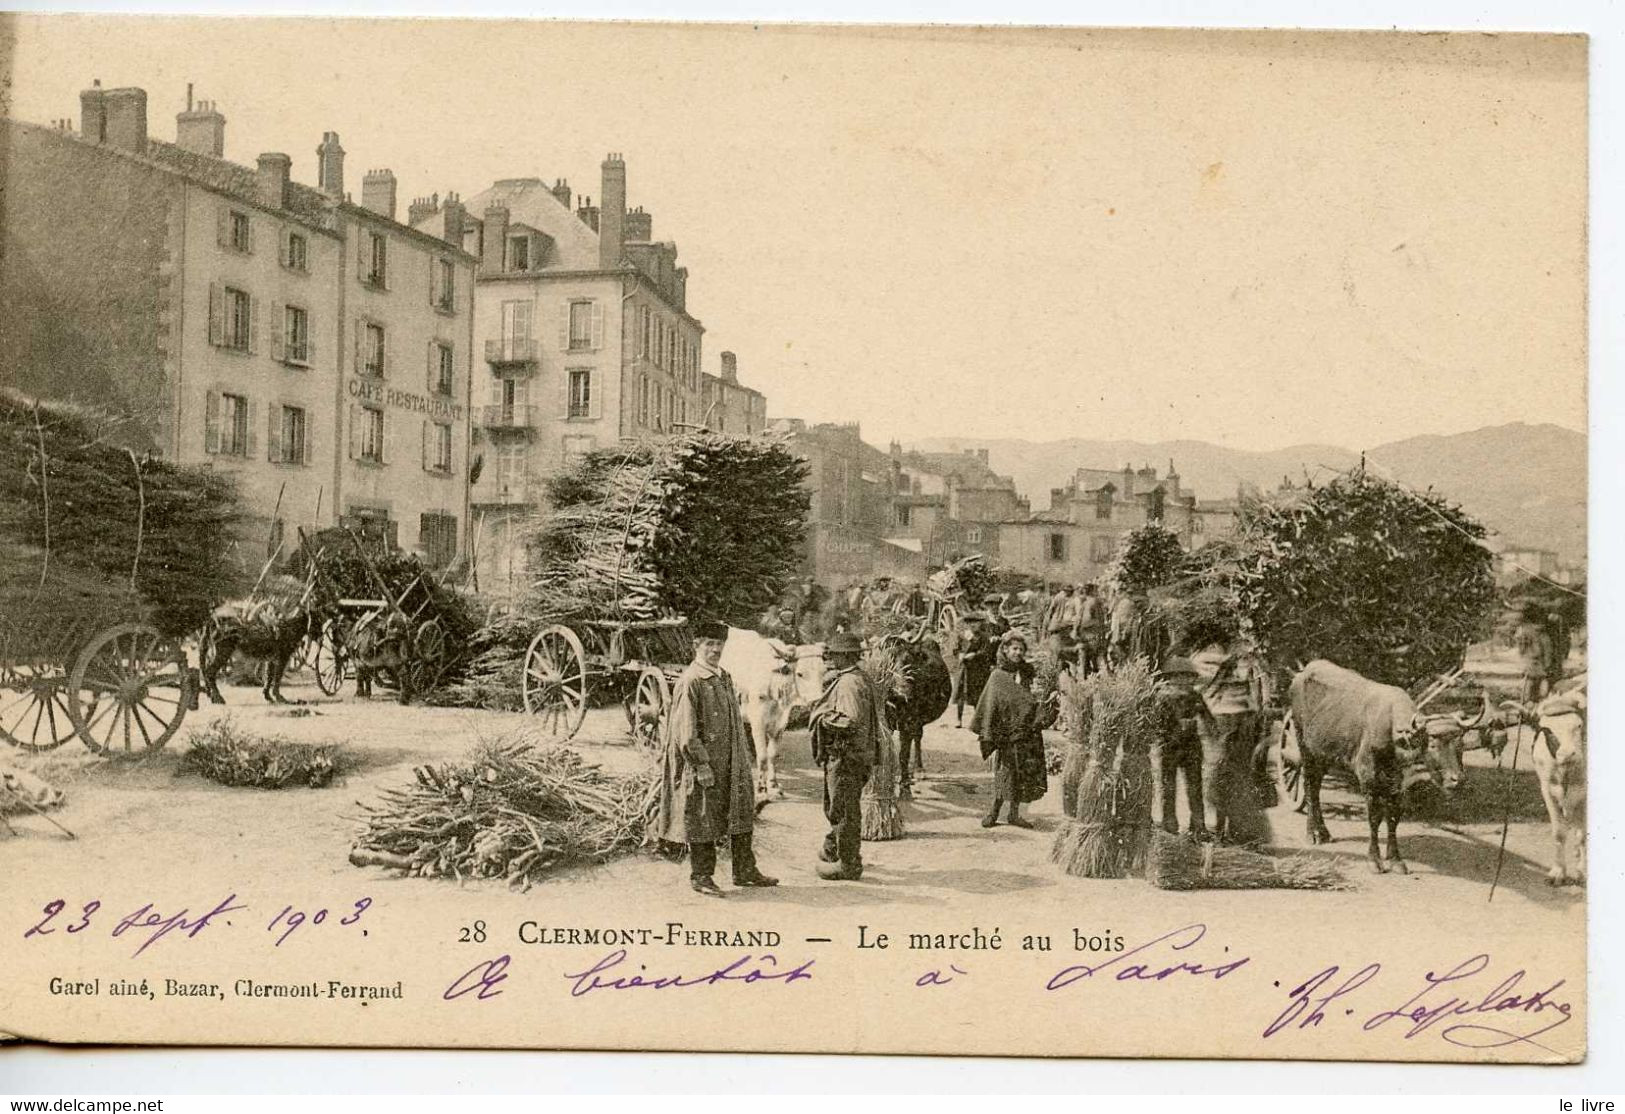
846	724
1178	748
707	790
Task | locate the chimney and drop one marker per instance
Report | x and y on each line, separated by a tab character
730	368
273	178
1057	498
201	129
330	166
378	192
561	190
639	226
93	113
453	211
496	239
422	209
126	116
981	455
612	228
1128	481
588	212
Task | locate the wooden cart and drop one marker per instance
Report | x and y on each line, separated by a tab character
634	662
118	684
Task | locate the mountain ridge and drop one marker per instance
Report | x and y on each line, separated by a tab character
1526	481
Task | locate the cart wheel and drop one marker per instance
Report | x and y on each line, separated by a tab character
428	656
646	707
947	623
130	690
34	705
555	680
329	661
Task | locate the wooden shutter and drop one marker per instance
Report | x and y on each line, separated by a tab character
564	327
304	438
361	239
251	447
248	233
597	326
282	245
383	437
433	373
217	314
211	422
222	226
428	461
279	330
360	328
253	325
310	337
594	402
564	394
355	431
273	435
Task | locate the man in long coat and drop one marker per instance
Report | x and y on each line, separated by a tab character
707	790
846	723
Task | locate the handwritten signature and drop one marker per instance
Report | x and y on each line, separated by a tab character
1150	966
1436	1006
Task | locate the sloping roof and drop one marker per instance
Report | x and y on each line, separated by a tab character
309	205
530	202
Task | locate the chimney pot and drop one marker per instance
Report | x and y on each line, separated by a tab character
612	220
378	192
330	166
274	169
496	239
730	368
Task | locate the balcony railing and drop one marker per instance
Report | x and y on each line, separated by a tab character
510	352
509	417
511	494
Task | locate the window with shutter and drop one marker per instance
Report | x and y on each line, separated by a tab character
217	314
423	446
279	331
253	325
222	227
597	327
211	423
251	429
355	432
273	434
581	326
580	401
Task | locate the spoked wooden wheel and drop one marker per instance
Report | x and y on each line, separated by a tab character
947	623
130	689
34	705
328	662
555	680
646	707
428	657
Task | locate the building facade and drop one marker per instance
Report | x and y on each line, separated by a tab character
583	336
314	349
728	406
1076	539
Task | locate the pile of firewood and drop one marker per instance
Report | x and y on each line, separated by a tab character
228	754
509	810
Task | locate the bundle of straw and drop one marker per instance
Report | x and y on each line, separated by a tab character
1109	830
1180	864
882	815
509	810
226	753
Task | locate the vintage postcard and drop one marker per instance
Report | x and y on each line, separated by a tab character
977	541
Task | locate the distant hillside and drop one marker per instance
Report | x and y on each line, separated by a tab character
1528	482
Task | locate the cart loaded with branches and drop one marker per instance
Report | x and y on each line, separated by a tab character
108	560
639	539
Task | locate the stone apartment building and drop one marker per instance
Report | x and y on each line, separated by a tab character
583	335
315	349
948	505
728	406
1076	538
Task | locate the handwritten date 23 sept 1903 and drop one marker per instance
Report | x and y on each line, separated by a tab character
149	923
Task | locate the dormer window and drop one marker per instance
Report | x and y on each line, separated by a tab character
518	253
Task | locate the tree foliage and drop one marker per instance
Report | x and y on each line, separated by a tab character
1387	581
1149	557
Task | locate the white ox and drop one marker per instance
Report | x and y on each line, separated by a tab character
1558	751
773	679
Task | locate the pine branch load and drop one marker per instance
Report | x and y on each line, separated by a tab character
91	533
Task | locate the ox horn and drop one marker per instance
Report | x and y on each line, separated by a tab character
1483	713
1524	713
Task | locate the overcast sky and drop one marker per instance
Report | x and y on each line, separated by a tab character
1253	240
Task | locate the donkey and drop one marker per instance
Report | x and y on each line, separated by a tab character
266	630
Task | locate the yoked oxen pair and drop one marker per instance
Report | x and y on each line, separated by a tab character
1559	755
1338	718
772	680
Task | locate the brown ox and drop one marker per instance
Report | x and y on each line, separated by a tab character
1339	718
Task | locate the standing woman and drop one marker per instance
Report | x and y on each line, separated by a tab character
1007	723
973	662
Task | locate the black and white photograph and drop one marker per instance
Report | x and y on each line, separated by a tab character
793	538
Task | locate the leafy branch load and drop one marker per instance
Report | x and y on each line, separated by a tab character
706	525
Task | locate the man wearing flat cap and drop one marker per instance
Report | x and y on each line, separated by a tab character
707	790
846	724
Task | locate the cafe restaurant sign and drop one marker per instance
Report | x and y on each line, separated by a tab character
367	391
